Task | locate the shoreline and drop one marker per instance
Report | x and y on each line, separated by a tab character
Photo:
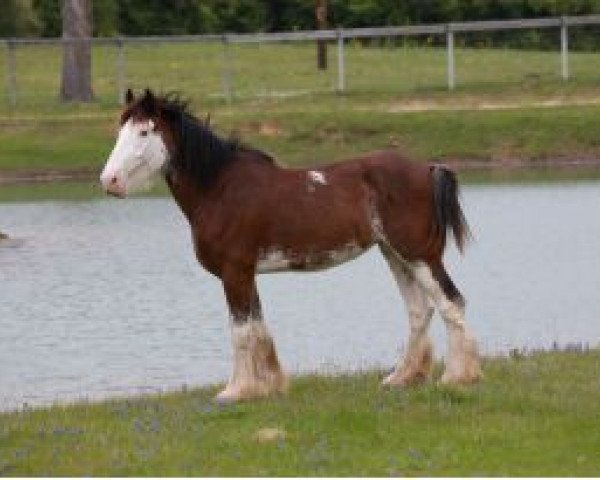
141	392
508	165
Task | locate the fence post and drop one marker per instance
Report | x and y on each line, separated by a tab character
564	48
11	72
341	65
450	56
227	73
121	75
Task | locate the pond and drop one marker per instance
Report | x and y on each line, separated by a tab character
104	297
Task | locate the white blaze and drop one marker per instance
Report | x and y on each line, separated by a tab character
138	154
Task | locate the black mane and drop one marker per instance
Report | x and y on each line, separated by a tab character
200	151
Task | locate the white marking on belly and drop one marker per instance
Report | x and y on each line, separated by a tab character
280	260
272	260
317	177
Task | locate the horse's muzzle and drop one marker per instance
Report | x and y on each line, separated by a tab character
112	186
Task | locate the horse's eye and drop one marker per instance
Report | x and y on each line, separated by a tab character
144	133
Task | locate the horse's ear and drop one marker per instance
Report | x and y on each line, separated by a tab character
129	98
207	121
149	102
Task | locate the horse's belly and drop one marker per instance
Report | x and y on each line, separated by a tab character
281	259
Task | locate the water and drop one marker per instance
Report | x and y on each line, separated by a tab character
105	298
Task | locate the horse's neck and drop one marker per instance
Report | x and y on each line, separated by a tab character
185	192
190	197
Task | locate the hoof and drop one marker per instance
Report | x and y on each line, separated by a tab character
249	391
464	368
399	380
415	369
233	394
226	397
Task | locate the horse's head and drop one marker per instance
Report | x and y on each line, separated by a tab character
141	149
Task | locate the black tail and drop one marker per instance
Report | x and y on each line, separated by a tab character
448	213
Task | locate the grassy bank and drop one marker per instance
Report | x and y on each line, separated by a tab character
533	416
309	137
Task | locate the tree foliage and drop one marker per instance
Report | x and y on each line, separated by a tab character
18	18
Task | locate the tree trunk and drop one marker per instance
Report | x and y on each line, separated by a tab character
76	85
321	16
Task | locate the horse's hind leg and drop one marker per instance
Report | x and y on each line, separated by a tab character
256	369
415	366
462	364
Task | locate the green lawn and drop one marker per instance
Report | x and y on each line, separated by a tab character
532	416
286	71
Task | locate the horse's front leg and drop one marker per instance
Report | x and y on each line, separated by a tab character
256	369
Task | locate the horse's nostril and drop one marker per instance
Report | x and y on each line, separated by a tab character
113	180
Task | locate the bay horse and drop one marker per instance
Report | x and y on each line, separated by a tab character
248	216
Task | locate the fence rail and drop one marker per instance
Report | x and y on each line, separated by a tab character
338	35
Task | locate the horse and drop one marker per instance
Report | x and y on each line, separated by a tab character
248	215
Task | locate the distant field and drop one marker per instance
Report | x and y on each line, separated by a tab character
532	416
287	71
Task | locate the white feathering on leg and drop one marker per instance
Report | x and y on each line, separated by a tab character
256	370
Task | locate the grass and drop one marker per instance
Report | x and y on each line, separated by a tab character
50	191
279	70
532	416
301	138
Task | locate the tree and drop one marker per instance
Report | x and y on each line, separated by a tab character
321	17
76	85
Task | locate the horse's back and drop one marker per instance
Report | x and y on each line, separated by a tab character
326	204
340	200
